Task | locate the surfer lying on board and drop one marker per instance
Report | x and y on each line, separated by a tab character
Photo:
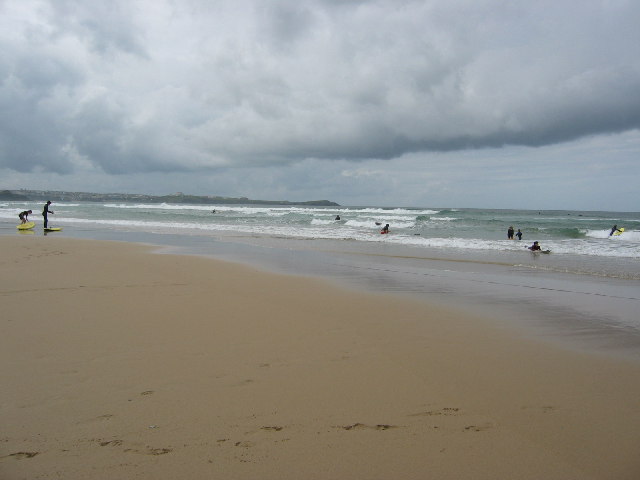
535	248
23	216
614	229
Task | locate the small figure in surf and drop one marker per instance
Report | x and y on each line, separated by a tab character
519	234
535	246
46	212
385	229
337	217
510	233
614	229
23	216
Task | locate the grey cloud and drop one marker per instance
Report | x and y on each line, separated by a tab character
284	23
161	86
108	26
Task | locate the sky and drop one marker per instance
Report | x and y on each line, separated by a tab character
432	103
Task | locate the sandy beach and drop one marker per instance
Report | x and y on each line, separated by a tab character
122	363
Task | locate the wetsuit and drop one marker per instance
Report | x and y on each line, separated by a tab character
45	212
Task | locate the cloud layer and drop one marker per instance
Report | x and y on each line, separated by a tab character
161	86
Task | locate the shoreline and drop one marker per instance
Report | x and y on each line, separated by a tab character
120	363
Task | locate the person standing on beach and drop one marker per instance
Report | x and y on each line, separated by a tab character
45	212
510	233
519	234
23	216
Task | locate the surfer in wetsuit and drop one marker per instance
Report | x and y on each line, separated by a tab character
23	216
519	234
535	246
385	229
614	229
45	212
510	233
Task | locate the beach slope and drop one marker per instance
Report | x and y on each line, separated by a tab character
121	363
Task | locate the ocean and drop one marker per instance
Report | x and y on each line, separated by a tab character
588	287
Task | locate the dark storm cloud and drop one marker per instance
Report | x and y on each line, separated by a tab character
134	86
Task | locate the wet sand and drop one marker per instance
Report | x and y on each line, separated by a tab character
120	363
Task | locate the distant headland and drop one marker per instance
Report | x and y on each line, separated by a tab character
179	197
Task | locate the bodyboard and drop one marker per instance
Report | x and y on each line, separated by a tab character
26	226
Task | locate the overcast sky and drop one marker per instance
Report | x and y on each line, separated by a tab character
450	103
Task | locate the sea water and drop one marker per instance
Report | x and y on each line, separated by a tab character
455	231
590	283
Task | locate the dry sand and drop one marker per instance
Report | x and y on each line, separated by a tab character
118	363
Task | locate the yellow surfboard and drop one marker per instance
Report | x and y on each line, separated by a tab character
619	231
26	226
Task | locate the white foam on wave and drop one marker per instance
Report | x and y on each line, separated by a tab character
157	206
320	229
632	235
598	233
369	224
321	221
395	213
392	211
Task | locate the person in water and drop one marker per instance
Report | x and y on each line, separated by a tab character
614	229
385	229
510	233
519	234
535	246
45	212
337	217
23	216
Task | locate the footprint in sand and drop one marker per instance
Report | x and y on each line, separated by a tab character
477	428
151	451
447	411
114	443
244	444
21	455
543	408
273	429
362	426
